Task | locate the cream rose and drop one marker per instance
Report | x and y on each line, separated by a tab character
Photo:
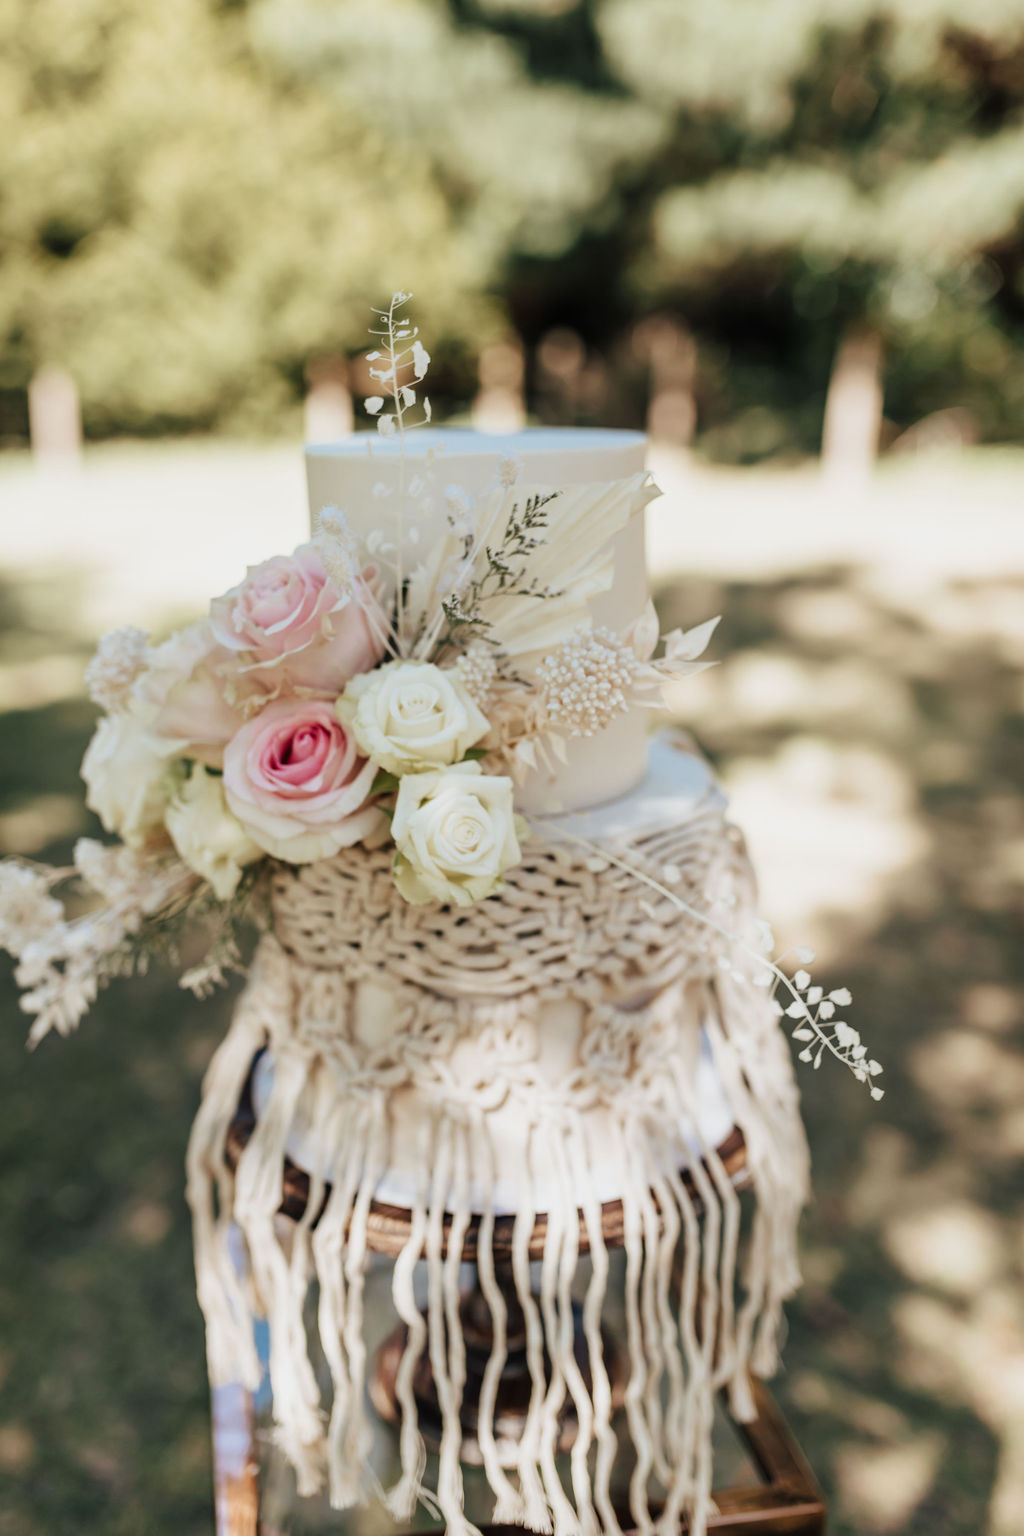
409	716
208	837
131	776
192	692
456	834
296	781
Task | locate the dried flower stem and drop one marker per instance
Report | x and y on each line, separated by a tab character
798	1008
401	344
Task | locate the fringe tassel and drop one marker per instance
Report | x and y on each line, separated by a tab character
347	1132
572	1376
686	1336
449	1390
359	1436
298	1418
746	1049
593	1308
537	1512
562	1513
639	1429
688	1383
402	1500
509	1506
209	1190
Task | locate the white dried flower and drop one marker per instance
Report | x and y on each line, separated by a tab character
27	910
586	681
509	470
117	873
63	968
479	671
119	660
336	544
459	507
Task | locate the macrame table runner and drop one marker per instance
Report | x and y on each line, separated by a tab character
533	1056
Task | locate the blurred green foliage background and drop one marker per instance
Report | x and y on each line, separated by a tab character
198	200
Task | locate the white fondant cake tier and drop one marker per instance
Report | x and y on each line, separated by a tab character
399	1183
345	475
547	1038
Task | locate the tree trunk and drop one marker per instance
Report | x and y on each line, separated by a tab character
54	417
853	410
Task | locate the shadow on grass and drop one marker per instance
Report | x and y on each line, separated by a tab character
104	1419
905	1342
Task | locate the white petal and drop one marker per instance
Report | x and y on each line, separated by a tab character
688	644
420	359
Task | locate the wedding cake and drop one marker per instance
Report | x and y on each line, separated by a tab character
585	1039
616	790
511	1003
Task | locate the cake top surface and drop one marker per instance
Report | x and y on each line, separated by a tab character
591	443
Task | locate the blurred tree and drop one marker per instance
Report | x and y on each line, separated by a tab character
181	232
200	199
776	174
858	167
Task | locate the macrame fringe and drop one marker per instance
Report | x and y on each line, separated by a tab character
704	1283
686	1336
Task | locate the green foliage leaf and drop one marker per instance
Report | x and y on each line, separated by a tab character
384	783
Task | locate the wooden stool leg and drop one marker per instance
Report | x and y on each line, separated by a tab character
790	1499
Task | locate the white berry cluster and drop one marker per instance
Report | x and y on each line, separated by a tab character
478	671
586	681
119	659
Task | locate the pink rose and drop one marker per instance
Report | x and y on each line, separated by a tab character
192	693
288	614
294	778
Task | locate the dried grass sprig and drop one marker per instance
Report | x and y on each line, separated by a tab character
808	1006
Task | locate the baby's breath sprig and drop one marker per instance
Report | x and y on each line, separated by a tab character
818	1029
814	1012
147	905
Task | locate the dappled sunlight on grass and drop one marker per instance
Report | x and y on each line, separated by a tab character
870	730
872	738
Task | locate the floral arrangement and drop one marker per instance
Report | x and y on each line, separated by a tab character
331	698
347	694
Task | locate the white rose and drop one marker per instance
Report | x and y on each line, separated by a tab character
209	839
410	715
130	776
456	833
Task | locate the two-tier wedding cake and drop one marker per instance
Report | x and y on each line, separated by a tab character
587	1038
511	1008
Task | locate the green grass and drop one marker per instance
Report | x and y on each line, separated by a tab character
103	1405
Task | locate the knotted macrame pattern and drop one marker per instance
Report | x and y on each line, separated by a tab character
531	1042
